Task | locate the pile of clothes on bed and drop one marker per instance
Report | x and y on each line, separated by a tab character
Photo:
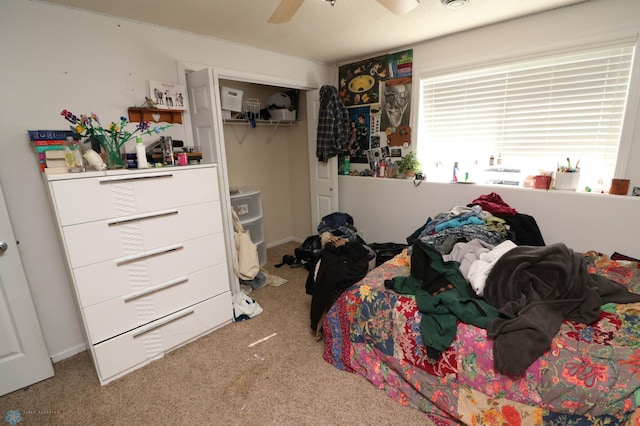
480	322
486	264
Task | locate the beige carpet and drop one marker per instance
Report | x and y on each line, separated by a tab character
220	379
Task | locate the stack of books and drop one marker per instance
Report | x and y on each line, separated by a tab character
49	148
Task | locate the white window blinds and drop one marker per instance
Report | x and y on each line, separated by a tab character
533	114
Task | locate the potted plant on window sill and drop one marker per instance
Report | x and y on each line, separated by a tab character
408	165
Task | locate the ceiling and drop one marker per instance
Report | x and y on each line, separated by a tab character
351	29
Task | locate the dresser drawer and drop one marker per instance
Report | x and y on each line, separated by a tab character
131	193
116	316
93	242
136	348
103	281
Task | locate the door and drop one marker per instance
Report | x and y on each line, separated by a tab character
323	176
24	358
202	104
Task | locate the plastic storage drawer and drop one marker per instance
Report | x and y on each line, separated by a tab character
255	230
247	205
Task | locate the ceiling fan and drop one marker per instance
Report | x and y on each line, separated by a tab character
287	8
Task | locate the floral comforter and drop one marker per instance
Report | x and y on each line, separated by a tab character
589	376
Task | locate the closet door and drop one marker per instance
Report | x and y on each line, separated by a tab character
323	176
207	129
24	358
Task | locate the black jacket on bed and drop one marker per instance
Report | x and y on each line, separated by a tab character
340	267
535	289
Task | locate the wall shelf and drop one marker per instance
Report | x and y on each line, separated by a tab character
155	115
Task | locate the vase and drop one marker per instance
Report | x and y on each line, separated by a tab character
111	154
114	159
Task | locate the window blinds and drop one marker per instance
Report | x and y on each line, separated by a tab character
534	114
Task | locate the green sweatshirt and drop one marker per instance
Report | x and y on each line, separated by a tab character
441	312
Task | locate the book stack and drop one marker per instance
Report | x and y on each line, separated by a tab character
49	148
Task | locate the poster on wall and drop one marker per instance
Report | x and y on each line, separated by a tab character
168	95
377	93
400	64
359	140
396	103
359	82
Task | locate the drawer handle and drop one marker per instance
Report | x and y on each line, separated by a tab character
112	179
142	216
153	289
149	327
154	252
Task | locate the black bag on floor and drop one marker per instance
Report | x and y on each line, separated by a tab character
309	252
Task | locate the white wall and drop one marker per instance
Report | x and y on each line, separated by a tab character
55	58
389	210
601	222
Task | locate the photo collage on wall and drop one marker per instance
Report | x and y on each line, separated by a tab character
377	94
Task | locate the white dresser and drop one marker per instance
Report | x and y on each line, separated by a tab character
146	254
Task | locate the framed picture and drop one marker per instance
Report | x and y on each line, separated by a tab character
168	95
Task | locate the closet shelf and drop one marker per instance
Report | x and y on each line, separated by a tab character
260	122
274	123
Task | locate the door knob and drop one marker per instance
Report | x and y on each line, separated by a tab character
3	247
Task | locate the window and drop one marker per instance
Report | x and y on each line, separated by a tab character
532	116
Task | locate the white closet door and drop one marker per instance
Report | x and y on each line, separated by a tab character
24	358
323	176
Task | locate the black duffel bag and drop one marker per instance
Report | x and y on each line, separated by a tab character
309	251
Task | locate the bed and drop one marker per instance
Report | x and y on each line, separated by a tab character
589	374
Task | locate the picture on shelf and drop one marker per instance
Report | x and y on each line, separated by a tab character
168	95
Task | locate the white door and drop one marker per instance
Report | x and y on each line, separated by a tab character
204	121
323	176
24	358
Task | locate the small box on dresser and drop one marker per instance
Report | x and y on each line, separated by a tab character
145	250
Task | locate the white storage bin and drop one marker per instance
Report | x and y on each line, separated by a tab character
255	230
262	253
231	99
247	205
282	115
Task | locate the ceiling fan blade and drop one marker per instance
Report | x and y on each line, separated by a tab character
285	11
399	7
